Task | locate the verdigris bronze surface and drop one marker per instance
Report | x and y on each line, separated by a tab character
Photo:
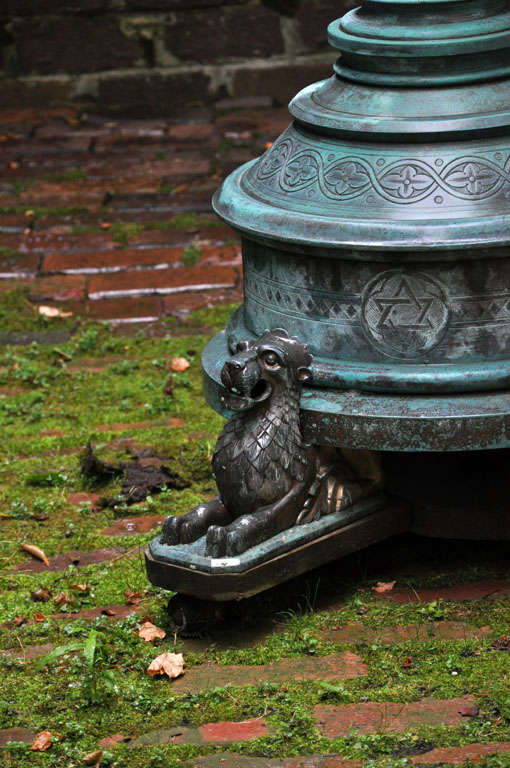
377	227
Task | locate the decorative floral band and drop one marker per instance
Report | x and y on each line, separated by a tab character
402	181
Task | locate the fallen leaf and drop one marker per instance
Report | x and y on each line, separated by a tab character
19	620
108	612
110	741
62	599
268	144
150	631
384	586
40	595
35	552
502	643
170	664
29	213
132	598
81	587
408	662
182	188
39	616
52	312
105	225
471	711
180	364
93	758
43	741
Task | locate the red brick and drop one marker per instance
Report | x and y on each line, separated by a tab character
372	717
61	241
234	760
471	590
246	730
125	427
137	309
129	526
110	261
186	132
460	755
11	391
84	498
161	281
18	265
181	305
26	735
30	652
63	561
336	666
229	33
36	92
440	630
63	288
53	45
160	94
182	237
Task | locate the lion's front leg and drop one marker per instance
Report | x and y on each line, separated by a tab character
183	529
249	530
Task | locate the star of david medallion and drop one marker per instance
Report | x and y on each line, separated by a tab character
405	314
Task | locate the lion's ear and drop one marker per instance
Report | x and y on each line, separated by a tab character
304	374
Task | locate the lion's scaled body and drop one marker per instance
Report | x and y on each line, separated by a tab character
260	453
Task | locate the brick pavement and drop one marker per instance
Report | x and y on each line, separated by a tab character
112	220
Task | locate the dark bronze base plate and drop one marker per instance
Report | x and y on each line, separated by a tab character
224	580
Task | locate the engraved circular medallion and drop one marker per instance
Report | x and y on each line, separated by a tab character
404	314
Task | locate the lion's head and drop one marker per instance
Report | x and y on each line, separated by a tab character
274	361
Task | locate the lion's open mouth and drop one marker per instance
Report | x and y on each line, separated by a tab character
261	390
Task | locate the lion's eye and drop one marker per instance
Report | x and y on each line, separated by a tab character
271	360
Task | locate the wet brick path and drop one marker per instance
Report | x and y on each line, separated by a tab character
112	219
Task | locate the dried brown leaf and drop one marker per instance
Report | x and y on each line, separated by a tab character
132	598
35	552
44	740
180	364
62	599
93	758
40	595
110	741
384	586
52	312
170	664
39	616
19	620
81	587
149	632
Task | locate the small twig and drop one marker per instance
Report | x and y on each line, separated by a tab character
62	354
21	646
124	554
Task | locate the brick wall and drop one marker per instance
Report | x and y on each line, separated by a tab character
160	57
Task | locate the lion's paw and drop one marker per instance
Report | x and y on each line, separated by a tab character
216	541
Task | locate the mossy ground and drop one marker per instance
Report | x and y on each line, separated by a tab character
57	393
